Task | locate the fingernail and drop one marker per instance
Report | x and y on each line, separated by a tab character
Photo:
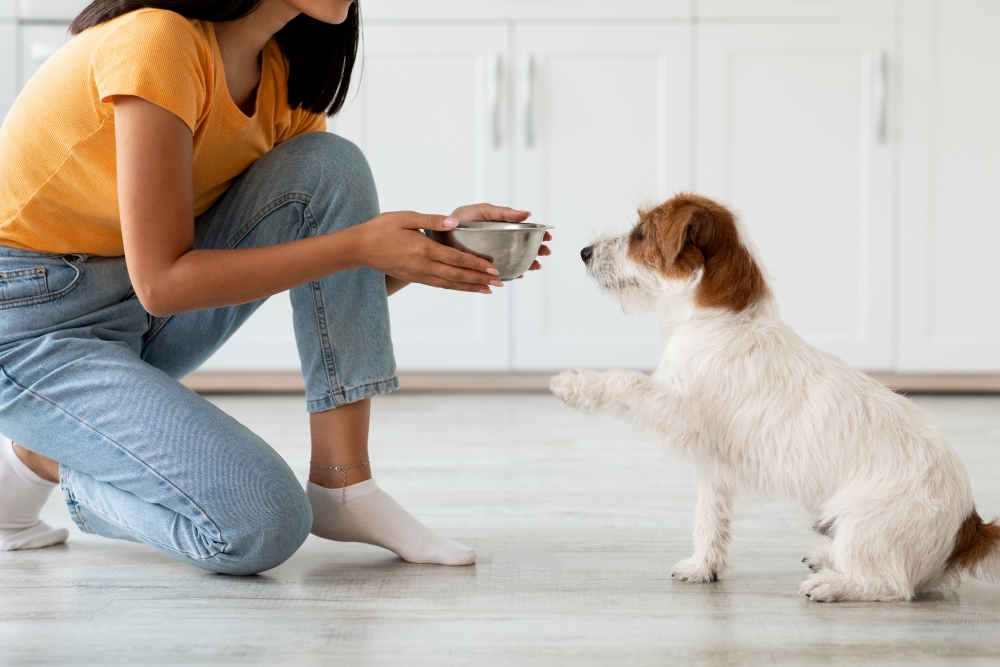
496	283
450	222
492	271
485	290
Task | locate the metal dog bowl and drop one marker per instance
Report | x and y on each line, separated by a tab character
510	246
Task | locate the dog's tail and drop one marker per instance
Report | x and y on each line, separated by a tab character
977	548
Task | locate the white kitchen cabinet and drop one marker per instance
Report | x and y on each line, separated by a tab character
794	132
8	74
37	43
430	117
949	305
601	126
863	171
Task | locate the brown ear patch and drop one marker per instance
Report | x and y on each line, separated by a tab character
974	542
689	232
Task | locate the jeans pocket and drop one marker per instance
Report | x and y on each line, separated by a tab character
26	281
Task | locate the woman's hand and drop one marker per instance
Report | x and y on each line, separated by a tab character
490	213
394	244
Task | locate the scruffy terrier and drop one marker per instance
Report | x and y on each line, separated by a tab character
762	412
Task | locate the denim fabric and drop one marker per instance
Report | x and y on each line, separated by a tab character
88	378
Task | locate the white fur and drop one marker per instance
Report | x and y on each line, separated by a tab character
764	413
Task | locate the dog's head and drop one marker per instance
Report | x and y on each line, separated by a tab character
688	244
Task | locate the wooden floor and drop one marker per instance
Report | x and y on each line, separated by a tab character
577	521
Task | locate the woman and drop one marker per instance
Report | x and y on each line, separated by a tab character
160	176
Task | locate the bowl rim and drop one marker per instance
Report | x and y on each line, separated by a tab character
523	225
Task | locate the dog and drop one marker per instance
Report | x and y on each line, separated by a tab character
762	412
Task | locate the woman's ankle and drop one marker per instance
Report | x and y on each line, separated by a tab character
334	479
42	466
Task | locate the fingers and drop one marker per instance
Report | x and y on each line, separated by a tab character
544	251
451	256
489	212
457	286
437	223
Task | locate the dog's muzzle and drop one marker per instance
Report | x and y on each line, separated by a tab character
586	254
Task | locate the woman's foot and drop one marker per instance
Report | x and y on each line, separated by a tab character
22	495
365	513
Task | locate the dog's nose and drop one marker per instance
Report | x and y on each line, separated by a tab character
586	253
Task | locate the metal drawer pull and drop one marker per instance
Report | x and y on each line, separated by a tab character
527	79
494	72
881	63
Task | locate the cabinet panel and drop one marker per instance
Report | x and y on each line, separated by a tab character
8	70
421	115
429	116
950	277
507	10
601	127
38	42
795	9
793	134
50	10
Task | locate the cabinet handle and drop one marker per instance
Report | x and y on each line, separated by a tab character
528	98
882	96
494	72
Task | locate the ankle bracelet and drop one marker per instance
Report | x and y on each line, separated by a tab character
341	469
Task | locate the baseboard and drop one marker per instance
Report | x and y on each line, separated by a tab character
213	382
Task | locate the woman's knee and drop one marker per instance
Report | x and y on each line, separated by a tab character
343	188
270	532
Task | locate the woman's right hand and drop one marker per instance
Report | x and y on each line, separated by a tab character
394	244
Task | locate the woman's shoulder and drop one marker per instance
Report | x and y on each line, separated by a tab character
154	28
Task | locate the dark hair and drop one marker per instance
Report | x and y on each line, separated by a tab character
320	55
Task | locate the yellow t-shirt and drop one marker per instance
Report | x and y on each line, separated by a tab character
58	188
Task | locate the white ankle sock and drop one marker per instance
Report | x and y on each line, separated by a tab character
370	515
22	495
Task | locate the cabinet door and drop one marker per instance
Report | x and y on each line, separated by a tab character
38	42
949	170
793	132
429	115
8	67
602	118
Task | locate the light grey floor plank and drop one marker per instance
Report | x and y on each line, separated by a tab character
577	521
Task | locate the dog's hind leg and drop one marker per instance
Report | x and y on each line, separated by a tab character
876	555
712	535
818	560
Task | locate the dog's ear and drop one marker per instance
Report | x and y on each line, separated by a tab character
697	232
685	232
698	226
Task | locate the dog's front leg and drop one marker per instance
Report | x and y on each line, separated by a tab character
712	534
591	391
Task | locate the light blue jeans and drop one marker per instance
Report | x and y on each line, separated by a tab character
89	379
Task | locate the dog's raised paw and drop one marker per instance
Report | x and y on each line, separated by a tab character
694	571
569	387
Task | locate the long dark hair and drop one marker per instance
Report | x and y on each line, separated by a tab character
320	55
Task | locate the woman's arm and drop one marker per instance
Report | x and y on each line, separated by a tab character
156	204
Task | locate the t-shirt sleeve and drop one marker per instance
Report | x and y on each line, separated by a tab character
159	56
304	121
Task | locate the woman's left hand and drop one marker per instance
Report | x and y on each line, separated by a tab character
491	213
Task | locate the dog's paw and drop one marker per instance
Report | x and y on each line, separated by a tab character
695	570
818	560
825	586
571	388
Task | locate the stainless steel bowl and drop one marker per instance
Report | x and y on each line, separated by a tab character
511	246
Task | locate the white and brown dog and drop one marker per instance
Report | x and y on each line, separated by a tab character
762	412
